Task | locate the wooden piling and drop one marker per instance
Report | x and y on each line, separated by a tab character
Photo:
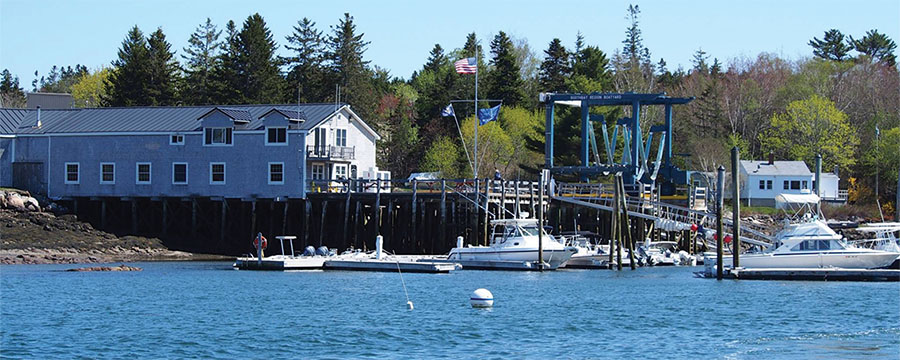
720	203
377	208
487	191
165	217
443	230
193	217
626	222
736	207
322	221
413	213
134	217
252	218
284	218
617	226
356	221
346	233
222	222
103	213
307	209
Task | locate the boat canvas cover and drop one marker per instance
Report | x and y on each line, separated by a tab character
786	200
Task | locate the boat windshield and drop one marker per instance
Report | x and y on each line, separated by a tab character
818	245
530	230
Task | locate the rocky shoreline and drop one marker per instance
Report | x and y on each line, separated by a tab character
30	236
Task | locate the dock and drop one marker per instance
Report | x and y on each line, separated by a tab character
392	265
825	274
280	263
497	265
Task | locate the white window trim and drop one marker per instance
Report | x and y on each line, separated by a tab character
312	172
224	173
113	182
77	173
269	172
137	173
218	127
336	137
186	173
177	143
335	175
285	143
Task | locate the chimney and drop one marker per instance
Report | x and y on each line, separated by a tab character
836	171
38	125
771	158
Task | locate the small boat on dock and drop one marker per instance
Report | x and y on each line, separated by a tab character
514	241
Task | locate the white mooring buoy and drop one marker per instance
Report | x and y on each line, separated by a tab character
409	305
482	298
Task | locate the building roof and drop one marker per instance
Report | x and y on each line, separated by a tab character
10	120
291	114
794	168
149	119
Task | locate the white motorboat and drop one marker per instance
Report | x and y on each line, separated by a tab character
516	240
885	239
588	254
806	241
812	244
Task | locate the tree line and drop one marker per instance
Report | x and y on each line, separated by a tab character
829	103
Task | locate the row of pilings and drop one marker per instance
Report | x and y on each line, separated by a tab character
424	218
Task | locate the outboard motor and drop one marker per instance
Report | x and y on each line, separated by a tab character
309	251
322	251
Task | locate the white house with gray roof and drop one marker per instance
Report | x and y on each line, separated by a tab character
233	151
761	181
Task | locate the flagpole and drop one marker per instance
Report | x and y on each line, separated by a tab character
475	156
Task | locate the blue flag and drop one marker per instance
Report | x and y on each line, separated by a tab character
487	115
448	111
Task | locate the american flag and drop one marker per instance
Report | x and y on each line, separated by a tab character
466	66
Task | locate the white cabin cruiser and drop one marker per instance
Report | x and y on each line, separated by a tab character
813	244
516	240
588	254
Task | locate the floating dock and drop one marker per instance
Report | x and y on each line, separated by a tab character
391	265
280	263
832	274
497	265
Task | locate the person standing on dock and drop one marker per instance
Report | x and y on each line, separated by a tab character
497	175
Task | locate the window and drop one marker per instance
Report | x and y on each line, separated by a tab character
795	184
804	185
143	173
318	172
340	137
762	184
179	173
276	136
217	136
276	173
353	171
73	173
319	142
340	172
769	184
217	173
176	139
107	173
786	185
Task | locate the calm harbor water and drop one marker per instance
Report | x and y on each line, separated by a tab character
207	310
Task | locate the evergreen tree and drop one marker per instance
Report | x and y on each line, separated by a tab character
699	61
162	71
877	46
127	83
591	63
257	65
11	94
831	47
634	46
505	81
307	77
226	77
60	79
436	59
555	68
203	57
345	49
471	47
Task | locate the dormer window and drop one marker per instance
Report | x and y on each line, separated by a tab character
176	139
276	136
217	136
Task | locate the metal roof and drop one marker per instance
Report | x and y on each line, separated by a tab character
798	168
237	114
10	119
149	119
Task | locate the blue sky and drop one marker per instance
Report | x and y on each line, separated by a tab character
34	35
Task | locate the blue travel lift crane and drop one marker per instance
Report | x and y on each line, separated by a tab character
634	162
